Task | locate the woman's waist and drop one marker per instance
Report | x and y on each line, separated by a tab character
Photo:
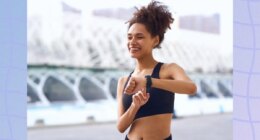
155	125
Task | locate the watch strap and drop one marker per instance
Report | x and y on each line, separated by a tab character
148	83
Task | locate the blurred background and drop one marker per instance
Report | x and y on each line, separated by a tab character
77	51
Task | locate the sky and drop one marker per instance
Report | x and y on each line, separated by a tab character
51	10
181	7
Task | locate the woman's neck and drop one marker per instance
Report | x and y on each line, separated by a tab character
144	64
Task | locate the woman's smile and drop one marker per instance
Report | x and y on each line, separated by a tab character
134	49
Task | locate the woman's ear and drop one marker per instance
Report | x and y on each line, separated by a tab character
156	40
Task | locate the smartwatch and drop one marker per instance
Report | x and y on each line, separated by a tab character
148	83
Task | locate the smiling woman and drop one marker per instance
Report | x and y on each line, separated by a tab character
146	96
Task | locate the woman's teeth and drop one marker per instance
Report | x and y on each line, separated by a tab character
135	49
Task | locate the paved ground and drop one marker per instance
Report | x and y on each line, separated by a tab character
207	127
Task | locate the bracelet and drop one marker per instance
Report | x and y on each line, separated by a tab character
148	83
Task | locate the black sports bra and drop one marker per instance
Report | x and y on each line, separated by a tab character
160	101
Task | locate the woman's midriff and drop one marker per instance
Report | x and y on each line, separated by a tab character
155	127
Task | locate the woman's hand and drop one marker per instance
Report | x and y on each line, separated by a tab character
140	98
131	85
134	85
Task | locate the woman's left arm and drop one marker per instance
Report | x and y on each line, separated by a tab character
178	81
174	79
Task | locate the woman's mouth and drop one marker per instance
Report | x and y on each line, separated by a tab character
134	49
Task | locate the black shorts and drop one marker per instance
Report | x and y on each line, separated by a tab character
169	138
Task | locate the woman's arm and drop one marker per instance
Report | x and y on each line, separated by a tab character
178	86
179	82
125	118
173	79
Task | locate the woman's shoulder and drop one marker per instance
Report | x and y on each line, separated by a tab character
168	70
120	85
171	66
122	80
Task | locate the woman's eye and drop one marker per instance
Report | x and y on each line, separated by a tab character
140	37
129	38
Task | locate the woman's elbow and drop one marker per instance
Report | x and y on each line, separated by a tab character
120	128
193	89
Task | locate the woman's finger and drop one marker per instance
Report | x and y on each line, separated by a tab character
142	96
147	95
132	82
136	99
129	89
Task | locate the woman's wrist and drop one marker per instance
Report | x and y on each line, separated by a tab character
134	106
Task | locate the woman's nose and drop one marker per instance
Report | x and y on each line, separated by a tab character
133	41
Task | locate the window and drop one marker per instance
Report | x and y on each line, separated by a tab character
205	88
55	90
224	90
32	96
90	91
113	87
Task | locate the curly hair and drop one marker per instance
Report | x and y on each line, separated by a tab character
155	17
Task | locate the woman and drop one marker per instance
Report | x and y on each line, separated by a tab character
146	96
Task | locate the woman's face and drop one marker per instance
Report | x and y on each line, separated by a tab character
140	42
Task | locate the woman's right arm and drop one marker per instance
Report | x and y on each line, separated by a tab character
125	118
